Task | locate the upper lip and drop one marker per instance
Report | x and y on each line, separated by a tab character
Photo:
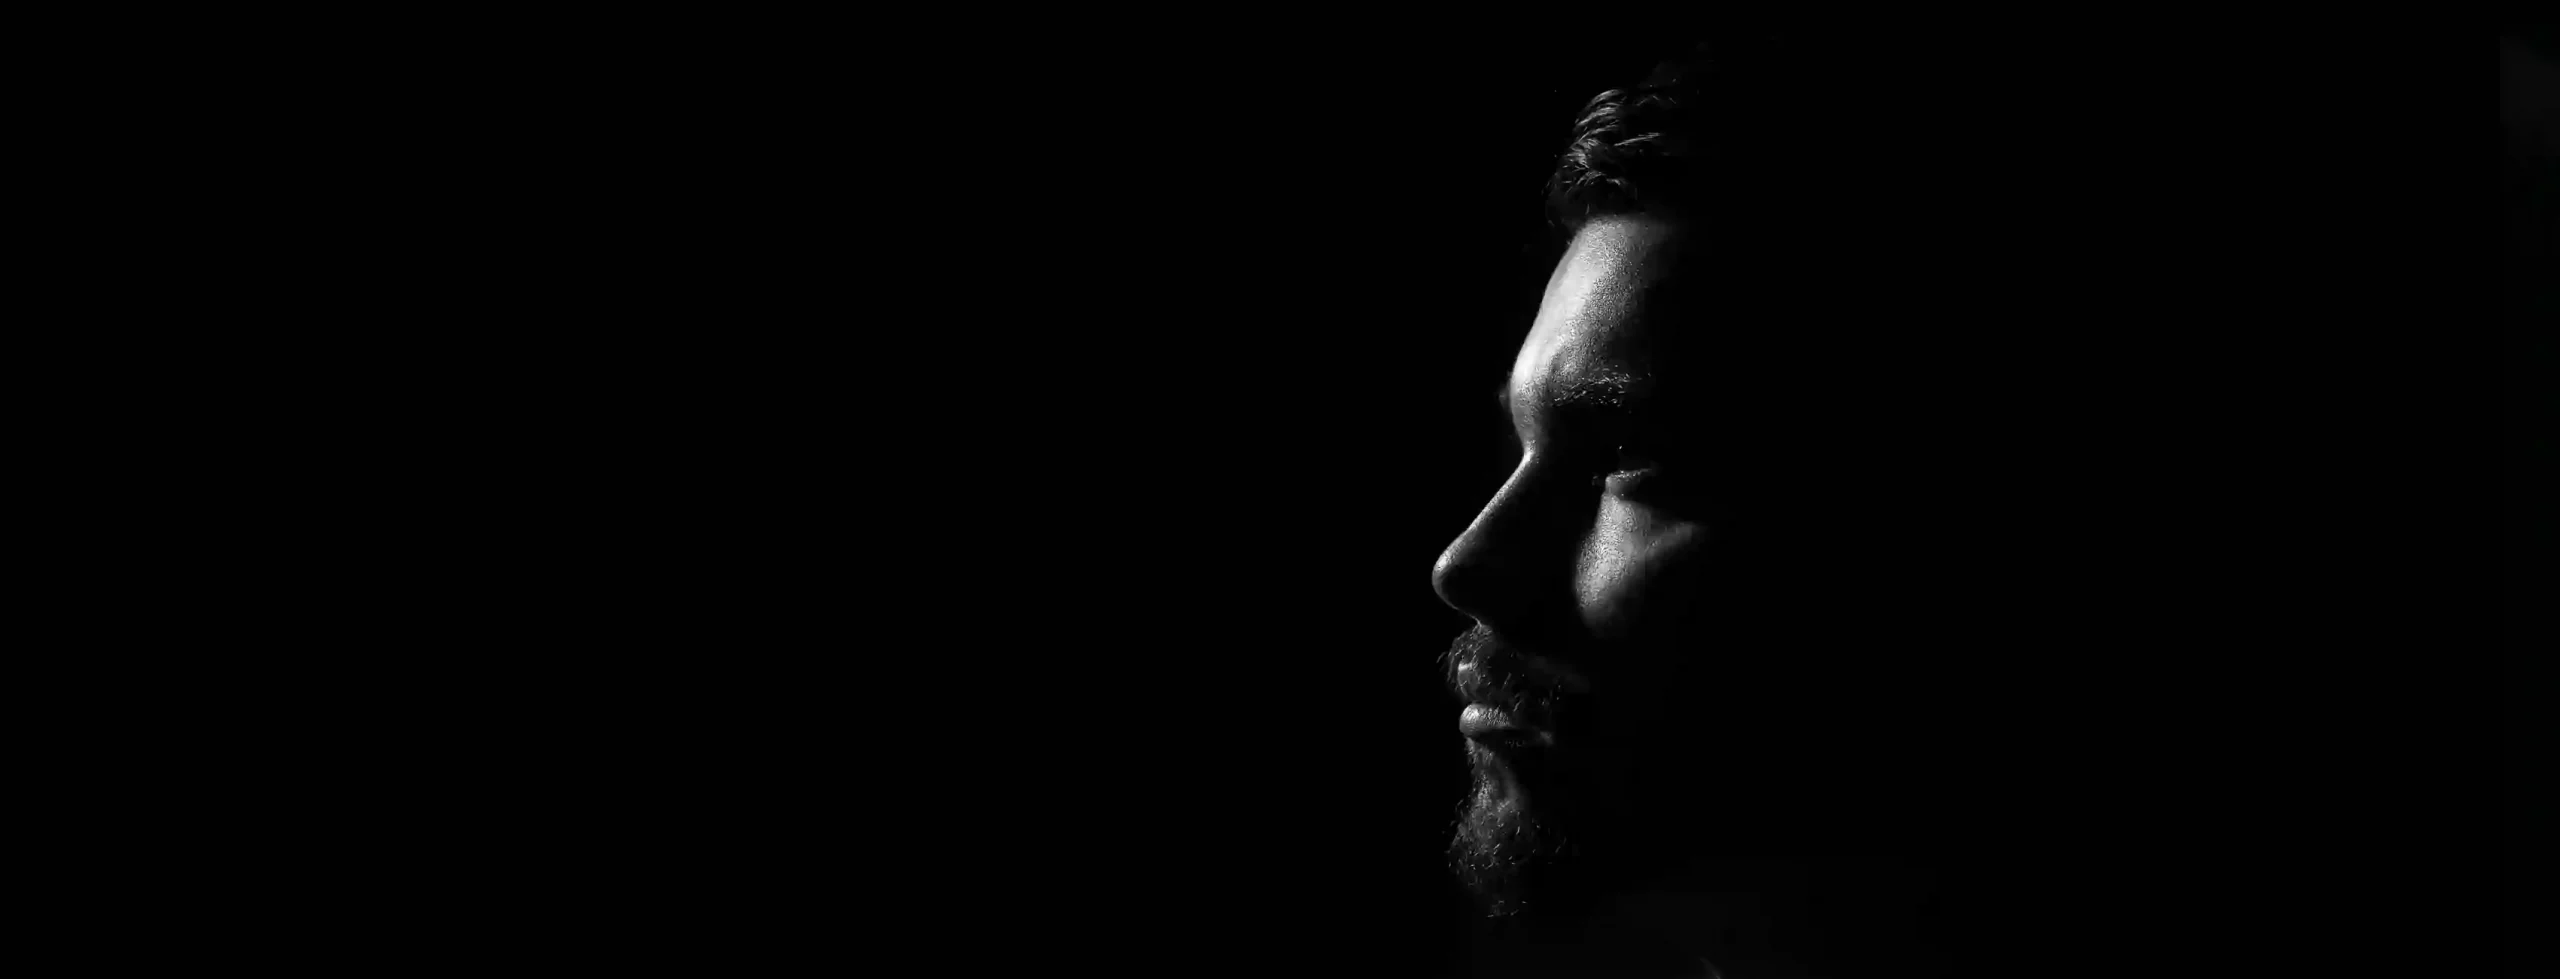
1503	678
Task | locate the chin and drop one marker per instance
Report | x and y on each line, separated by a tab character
1522	863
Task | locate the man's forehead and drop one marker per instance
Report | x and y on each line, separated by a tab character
1589	336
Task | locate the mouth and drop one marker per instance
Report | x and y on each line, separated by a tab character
1495	727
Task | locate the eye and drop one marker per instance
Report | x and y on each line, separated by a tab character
1626	469
1635	459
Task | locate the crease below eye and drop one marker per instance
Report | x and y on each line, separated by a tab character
1624	478
1628	461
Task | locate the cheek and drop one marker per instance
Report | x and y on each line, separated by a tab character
1629	573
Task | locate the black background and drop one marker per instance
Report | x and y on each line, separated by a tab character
968	498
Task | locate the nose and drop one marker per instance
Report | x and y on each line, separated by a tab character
1510	558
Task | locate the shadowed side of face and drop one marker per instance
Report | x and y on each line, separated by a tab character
1656	586
1588	573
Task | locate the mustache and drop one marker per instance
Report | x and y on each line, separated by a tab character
1481	668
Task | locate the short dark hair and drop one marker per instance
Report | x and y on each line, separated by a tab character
1714	118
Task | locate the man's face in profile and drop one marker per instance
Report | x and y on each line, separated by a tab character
1602	576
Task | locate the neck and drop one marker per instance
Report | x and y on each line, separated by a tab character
1796	919
1656	934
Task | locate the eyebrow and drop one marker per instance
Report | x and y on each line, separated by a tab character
1602	400
1605	387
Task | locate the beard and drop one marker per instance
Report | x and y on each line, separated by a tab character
1502	841
1549	830
1546	834
1520	852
